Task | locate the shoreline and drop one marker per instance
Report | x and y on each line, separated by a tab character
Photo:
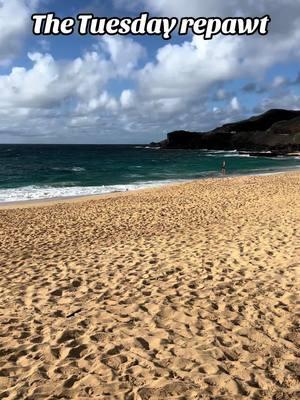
81	198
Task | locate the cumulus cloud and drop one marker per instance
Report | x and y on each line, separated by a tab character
235	104
48	81
198	63
127	99
182	75
194	65
124	53
14	22
72	94
279	11
190	68
279	81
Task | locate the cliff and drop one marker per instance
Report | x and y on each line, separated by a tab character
276	130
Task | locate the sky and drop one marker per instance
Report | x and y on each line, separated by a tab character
135	89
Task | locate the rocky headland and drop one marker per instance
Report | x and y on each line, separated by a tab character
276	132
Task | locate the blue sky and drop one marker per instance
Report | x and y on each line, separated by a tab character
86	89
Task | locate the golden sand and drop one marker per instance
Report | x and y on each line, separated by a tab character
182	292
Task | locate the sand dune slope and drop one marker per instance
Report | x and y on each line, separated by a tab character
185	292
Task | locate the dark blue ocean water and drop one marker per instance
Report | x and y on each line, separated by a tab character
46	171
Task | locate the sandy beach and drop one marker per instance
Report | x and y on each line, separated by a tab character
182	292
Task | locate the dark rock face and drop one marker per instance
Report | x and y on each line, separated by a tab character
276	130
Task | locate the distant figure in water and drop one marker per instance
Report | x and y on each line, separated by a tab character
223	170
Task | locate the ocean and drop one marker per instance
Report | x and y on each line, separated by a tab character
29	172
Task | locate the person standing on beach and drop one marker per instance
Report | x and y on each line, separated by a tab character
223	170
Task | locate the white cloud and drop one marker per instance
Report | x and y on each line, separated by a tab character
177	8
71	94
124	53
127	99
191	68
48	82
235	105
14	23
279	81
283	13
101	102
182	75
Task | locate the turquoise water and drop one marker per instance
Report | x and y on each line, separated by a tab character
47	171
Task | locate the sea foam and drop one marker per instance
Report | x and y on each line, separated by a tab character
27	193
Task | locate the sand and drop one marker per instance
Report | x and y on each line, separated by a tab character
182	292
